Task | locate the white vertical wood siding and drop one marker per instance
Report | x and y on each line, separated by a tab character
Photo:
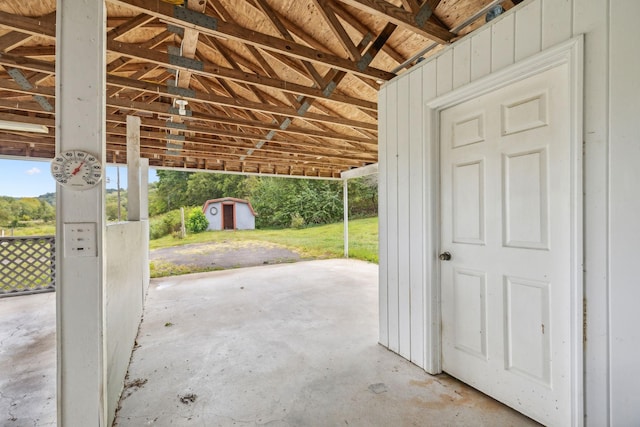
406	194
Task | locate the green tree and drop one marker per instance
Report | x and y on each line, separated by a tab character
28	208
171	190
46	212
363	196
5	211
280	201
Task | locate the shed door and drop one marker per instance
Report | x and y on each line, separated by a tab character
228	217
506	221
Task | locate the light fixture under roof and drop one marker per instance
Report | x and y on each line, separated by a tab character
23	127
181	104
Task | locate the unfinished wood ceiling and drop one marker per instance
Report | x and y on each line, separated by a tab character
266	86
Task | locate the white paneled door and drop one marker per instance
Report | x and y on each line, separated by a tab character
506	225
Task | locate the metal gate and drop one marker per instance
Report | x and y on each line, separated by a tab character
27	265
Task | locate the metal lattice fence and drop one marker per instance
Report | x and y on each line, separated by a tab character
27	265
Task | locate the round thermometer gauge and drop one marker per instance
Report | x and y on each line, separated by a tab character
76	169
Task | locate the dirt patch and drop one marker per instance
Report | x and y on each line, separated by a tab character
226	254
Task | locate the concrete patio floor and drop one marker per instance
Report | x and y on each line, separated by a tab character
279	345
284	345
28	360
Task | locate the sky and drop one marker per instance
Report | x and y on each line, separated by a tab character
19	178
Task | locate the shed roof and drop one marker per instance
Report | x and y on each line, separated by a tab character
272	86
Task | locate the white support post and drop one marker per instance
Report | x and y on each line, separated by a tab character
144	188
346	175
80	280
144	218
345	195
133	168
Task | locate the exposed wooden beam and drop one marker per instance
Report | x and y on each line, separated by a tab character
363	29
160	108
131	24
410	5
215	27
238	103
213	70
121	103
199	144
291	139
31	26
417	22
209	70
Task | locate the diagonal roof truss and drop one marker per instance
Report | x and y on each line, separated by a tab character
256	86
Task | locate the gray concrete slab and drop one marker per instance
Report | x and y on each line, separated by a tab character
28	360
284	345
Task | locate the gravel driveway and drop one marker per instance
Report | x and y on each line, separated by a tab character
226	254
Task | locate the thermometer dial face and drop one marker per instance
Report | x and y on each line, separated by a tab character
76	169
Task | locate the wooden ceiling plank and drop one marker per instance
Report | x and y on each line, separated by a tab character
280	26
136	52
415	21
368	55
268	69
215	27
339	75
363	29
231	58
337	29
264	65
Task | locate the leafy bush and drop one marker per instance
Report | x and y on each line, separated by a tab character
196	221
165	224
278	201
297	221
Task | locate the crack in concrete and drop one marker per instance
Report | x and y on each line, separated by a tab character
12	403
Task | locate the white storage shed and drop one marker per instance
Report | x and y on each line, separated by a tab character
229	213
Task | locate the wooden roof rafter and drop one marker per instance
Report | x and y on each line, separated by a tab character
286	86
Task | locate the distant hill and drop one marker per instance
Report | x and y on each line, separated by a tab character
49	198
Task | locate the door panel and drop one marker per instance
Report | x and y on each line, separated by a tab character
506	220
525	195
468	202
228	217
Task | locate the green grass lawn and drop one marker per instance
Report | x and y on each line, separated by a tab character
324	241
48	229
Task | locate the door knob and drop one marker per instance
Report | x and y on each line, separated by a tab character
445	256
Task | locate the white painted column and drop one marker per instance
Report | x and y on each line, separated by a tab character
133	168
144	218
80	121
345	196
144	188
